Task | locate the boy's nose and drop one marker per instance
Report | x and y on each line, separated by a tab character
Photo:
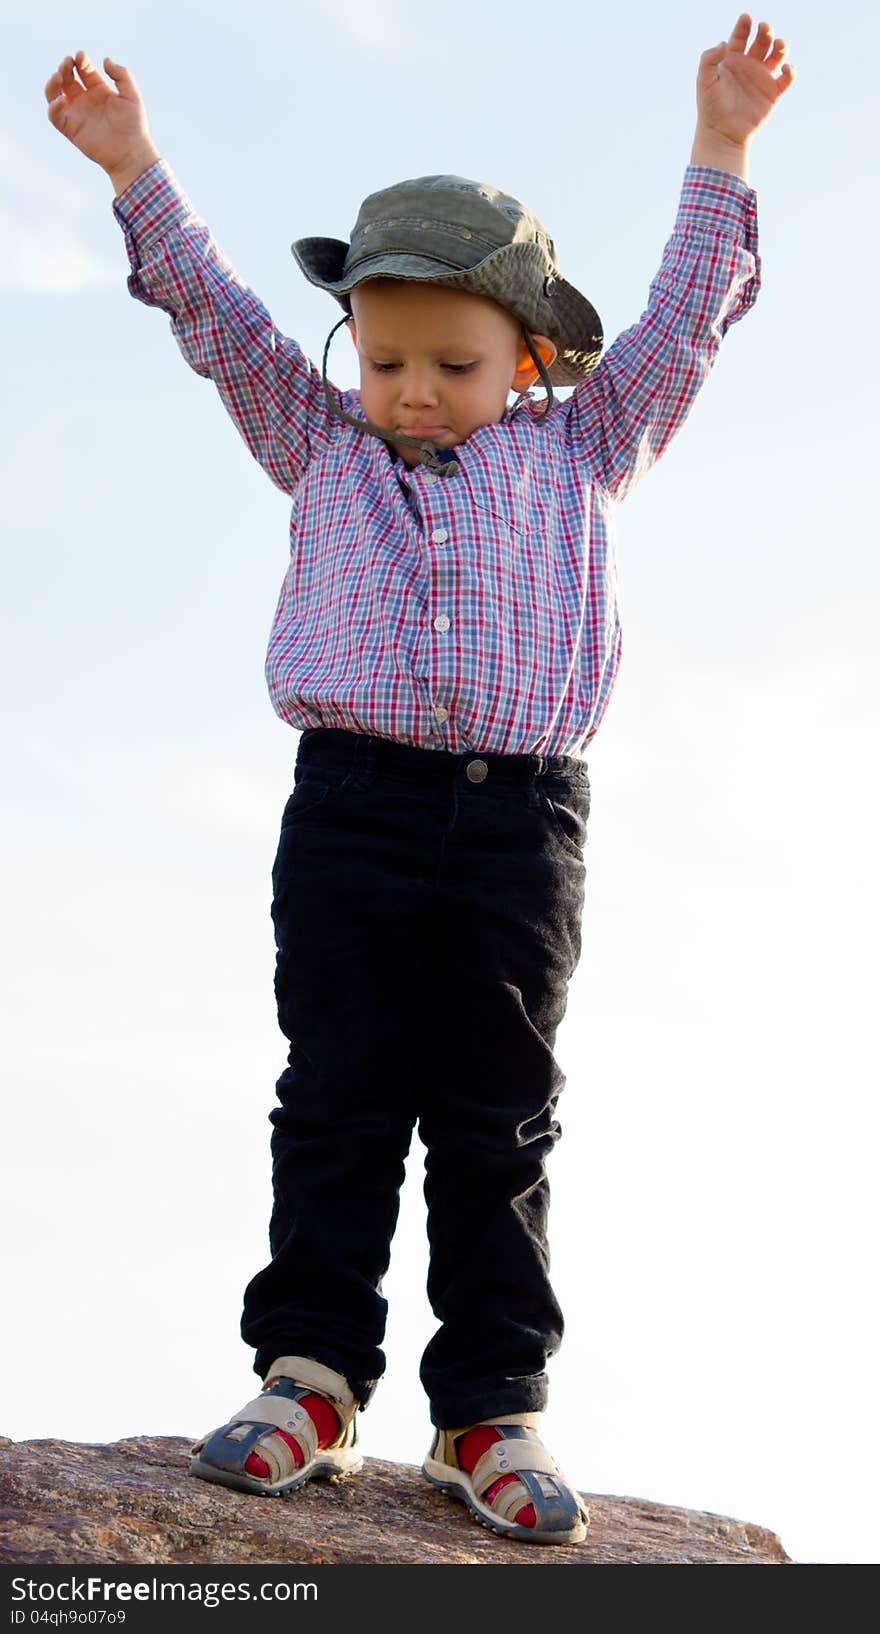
418	392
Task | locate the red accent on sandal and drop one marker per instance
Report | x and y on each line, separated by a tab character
470	1448
323	1416
326	1422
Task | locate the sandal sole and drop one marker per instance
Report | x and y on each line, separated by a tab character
502	1529
323	1471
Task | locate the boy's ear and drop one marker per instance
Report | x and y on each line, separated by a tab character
526	373
351	326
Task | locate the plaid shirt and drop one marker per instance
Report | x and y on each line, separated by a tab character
473	612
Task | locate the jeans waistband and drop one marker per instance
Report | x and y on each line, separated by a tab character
333	746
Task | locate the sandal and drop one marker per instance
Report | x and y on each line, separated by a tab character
264	1425
561	1516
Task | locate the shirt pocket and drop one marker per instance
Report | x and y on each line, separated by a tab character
512	516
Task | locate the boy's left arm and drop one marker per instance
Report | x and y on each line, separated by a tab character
623	418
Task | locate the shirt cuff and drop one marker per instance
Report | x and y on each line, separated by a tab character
719	203
150	207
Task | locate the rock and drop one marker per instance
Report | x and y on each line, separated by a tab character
62	1503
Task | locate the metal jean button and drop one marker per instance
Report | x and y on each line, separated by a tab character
477	771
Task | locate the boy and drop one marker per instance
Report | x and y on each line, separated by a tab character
446	641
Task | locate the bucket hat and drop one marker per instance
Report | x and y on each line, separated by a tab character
467	235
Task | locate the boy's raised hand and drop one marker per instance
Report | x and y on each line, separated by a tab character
105	119
738	88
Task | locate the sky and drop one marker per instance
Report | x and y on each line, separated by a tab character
713	1226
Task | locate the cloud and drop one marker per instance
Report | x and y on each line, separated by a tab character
172	793
40	260
182	794
53	177
378	29
44	225
375	26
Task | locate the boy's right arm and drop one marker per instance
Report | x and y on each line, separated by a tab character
270	388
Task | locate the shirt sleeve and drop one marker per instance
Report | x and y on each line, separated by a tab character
624	417
271	389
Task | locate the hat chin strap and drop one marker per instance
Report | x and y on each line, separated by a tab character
541	367
429	453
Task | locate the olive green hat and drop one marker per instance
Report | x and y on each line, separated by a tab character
463	235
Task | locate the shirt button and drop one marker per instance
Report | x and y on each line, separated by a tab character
477	771
442	712
441	623
439	536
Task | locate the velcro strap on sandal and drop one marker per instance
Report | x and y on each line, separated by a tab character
444	1449
285	1415
506	1457
509	1501
277	1454
305	1370
530	1421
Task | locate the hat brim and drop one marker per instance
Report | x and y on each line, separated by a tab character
507	275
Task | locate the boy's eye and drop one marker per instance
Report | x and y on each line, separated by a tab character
455	368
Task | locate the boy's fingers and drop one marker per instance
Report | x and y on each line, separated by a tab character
61	88
740	33
761	43
53	85
710	63
712	57
87	71
123	80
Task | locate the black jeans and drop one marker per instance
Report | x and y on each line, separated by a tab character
427	910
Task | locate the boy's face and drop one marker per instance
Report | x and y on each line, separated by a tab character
437	363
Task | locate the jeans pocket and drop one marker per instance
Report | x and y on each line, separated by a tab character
316	786
311	789
568	807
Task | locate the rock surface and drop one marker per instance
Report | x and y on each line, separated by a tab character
63	1503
